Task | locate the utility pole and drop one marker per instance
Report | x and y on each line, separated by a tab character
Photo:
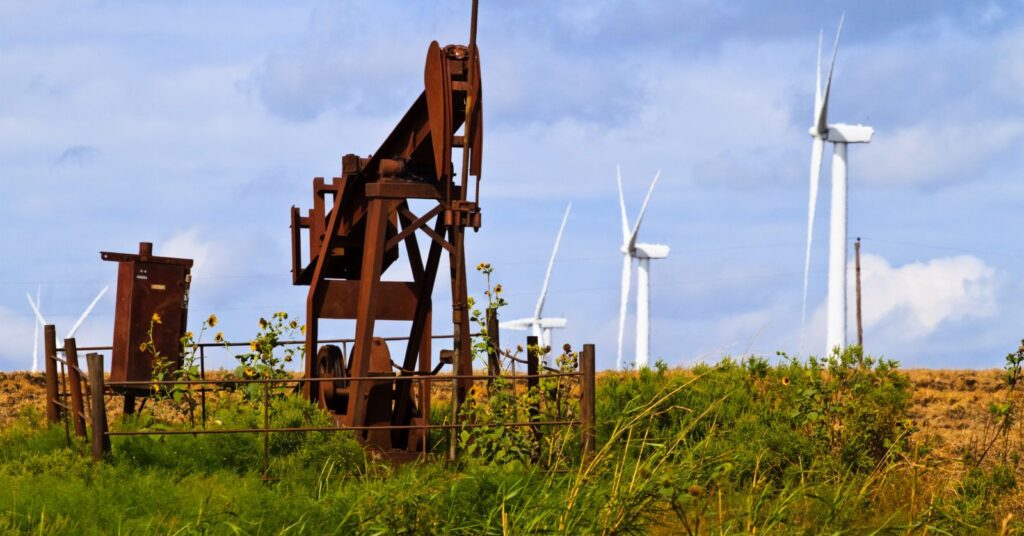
860	325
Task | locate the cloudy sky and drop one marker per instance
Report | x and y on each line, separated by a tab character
196	125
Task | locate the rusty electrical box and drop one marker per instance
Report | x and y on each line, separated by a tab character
147	286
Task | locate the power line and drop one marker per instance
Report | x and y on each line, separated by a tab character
588	258
942	247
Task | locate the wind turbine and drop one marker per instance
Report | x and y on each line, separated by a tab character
839	135
42	322
643	253
540	326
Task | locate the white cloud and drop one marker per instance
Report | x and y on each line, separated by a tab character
912	301
933	151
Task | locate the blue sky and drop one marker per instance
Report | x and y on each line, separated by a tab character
197	125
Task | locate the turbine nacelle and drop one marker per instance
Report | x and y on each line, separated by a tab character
843	133
650	251
527	323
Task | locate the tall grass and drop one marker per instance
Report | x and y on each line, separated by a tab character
809	447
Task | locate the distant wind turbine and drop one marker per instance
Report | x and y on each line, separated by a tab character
539	325
839	135
643	253
42	322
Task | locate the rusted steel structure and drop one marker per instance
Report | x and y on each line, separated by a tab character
147	285
355	228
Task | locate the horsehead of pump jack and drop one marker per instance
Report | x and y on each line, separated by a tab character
839	135
539	325
643	253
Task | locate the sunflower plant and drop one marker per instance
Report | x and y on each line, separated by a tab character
264	360
165	369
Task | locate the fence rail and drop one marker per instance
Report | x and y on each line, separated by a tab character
66	399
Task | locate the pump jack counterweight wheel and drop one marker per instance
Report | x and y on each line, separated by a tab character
355	229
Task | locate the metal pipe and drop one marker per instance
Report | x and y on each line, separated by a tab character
202	389
279	343
130	383
340	428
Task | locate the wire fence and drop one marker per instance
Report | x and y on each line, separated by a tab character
70	390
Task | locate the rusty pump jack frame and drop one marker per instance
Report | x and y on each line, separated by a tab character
355	238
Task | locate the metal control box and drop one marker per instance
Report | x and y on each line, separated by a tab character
148	286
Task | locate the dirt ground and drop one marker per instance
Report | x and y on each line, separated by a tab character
950	405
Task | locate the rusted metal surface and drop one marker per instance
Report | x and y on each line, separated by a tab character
75	386
588	392
100	434
354	230
146	286
50	369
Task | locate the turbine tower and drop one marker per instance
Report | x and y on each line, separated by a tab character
839	135
541	327
643	253
42	322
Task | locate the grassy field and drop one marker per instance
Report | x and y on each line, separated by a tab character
847	445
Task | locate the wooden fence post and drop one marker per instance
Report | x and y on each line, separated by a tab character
75	386
588	407
493	365
50	346
100	439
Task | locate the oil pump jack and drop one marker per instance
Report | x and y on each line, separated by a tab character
354	231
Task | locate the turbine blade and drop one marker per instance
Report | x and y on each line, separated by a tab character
78	323
551	265
622	206
817	80
519	324
817	152
643	210
822	117
35	309
35	339
627	262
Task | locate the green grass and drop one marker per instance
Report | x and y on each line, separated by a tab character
800	447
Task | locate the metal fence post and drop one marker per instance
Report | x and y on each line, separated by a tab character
493	365
266	429
202	376
50	345
533	383
100	439
588	407
75	386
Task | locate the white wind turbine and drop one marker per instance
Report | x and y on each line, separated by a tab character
42	322
839	135
541	327
643	253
